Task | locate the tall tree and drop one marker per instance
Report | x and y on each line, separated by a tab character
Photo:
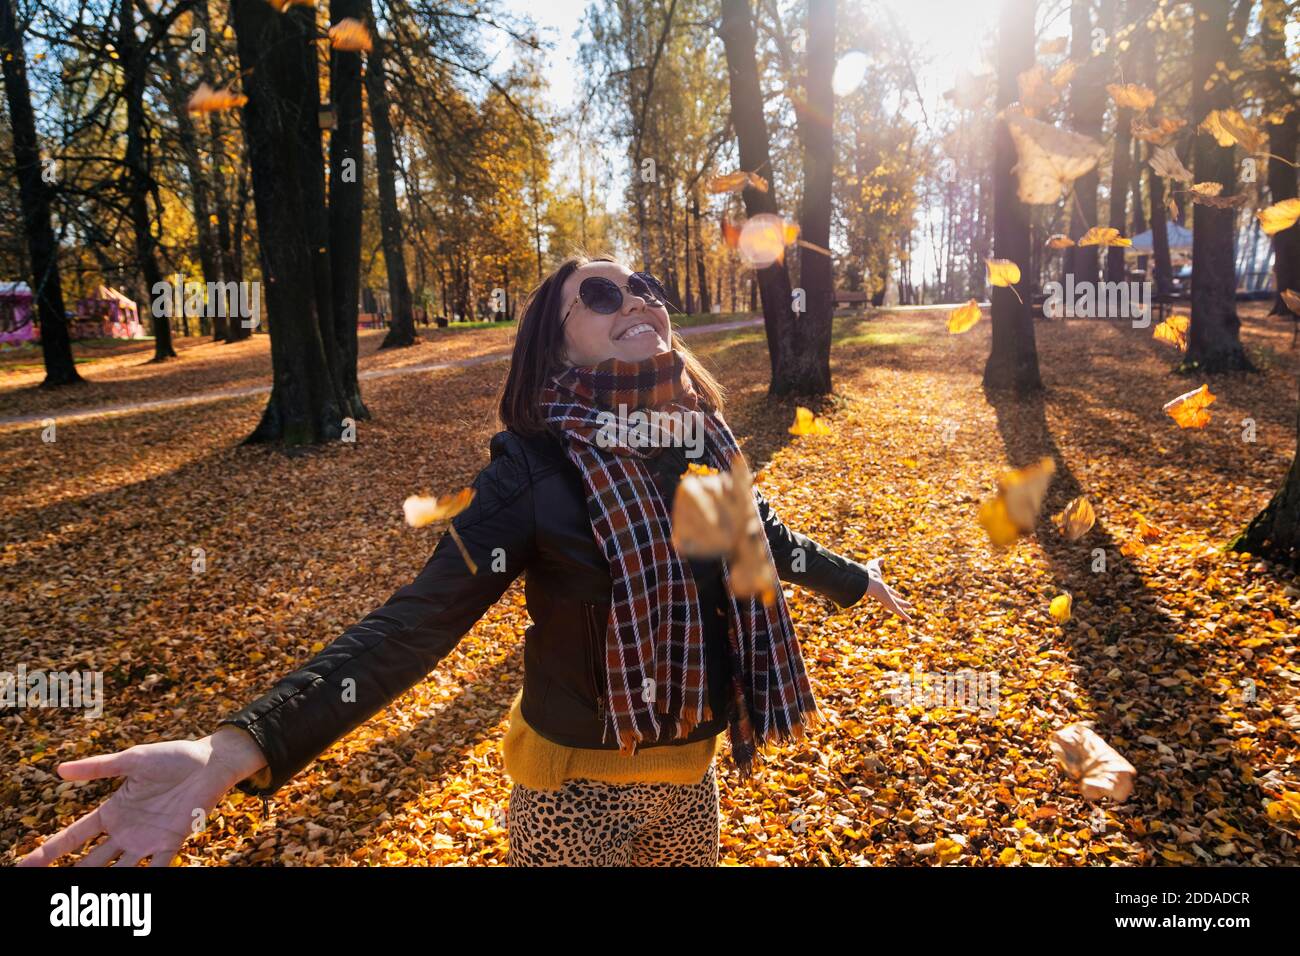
34	197
738	38
1281	127
1213	340
347	194
1120	171
136	55
1013	357
401	329
1087	110
278	60
806	362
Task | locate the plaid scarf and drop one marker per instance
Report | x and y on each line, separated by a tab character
654	647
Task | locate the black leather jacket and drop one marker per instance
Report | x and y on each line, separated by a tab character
529	514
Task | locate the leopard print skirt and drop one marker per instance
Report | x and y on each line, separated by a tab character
593	823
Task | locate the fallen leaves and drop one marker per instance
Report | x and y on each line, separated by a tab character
806	423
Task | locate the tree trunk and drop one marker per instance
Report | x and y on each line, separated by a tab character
273	49
706	304
806	365
1213	341
1275	531
139	176
1087	110
1281	146
773	281
347	192
201	207
401	327
1013	358
47	284
1119	170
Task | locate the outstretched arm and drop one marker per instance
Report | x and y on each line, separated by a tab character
801	560
383	655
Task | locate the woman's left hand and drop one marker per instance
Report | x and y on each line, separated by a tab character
882	592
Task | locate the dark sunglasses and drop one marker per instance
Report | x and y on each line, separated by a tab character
605	296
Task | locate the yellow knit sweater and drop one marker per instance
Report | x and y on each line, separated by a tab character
542	764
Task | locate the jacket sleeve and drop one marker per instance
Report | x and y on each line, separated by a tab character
801	560
393	647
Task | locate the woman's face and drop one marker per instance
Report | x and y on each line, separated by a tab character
633	333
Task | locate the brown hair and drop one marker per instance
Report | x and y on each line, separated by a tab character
539	353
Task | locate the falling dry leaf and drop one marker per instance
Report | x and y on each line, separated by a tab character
1158	134
1059	240
1206	189
964	317
1191	409
207	100
1076	519
1093	763
1281	215
351	36
716	516
421	510
1103	236
1174	330
1048	159
1166	163
1229	127
736	182
1132	95
1061	608
1036	91
1002	272
1013	511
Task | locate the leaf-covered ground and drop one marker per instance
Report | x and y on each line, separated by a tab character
100	530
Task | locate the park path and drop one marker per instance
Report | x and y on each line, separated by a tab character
219	395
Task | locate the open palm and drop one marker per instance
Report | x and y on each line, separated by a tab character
170	789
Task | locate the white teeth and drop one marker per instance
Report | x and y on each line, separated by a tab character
640	329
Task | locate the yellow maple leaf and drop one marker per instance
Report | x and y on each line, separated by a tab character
964	317
1173	330
1061	607
1103	236
1002	272
1281	215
